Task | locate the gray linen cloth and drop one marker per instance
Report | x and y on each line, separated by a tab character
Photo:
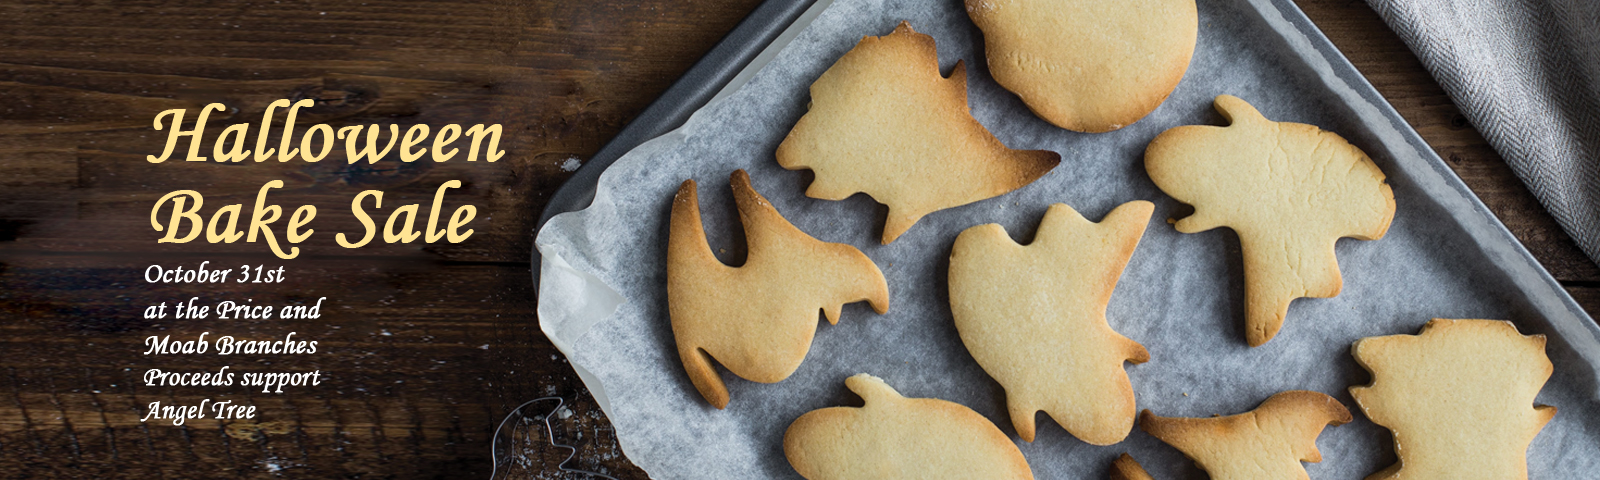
1527	74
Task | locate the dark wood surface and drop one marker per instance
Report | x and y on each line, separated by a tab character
424	347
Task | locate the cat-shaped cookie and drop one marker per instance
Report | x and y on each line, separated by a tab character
884	122
1458	397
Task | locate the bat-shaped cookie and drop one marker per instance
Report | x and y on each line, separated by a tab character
756	319
884	122
894	437
1290	190
1268	442
1034	317
1458	397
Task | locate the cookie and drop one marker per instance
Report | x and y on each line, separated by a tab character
894	437
1458	397
1126	468
1088	66
1289	190
1268	442
884	122
1034	317
756	319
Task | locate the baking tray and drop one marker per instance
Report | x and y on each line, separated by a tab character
763	31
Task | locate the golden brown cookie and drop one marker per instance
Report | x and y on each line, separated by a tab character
756	319
1268	442
1458	397
1289	190
894	437
1126	468
1088	65
884	122
1034	317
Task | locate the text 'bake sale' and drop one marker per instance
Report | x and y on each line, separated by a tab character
187	221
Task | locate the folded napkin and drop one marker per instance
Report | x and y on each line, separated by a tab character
1527	74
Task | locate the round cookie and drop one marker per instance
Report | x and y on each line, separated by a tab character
1088	66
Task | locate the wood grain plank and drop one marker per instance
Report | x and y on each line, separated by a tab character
427	346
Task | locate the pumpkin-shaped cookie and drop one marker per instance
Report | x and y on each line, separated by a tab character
894	437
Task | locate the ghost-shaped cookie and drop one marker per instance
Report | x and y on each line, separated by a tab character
1088	65
1268	442
893	437
1290	191
884	122
756	319
1033	317
1458	397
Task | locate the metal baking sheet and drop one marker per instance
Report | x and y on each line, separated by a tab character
602	300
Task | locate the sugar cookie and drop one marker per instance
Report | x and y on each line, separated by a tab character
756	319
1126	468
1289	190
1268	442
894	437
1034	317
884	122
1458	397
1088	65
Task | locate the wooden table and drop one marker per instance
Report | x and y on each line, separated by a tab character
424	348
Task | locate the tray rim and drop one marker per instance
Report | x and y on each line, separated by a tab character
1358	84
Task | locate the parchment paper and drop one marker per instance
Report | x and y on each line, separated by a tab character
603	297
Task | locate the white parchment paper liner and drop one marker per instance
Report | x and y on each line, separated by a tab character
602	296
